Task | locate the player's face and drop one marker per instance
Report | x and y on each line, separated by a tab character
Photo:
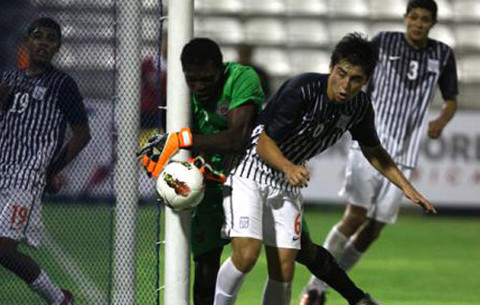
203	81
42	45
418	21
345	81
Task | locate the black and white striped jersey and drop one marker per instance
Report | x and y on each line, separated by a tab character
303	123
33	124
402	89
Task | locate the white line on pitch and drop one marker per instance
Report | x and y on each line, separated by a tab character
93	294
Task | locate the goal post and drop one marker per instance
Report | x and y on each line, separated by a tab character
177	225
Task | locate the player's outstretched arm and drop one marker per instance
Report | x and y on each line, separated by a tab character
159	149
436	126
268	150
383	163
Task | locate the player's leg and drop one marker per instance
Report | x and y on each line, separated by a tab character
352	220
281	268
282	216
18	263
207	243
243	207
359	190
384	211
324	267
206	270
245	252
21	219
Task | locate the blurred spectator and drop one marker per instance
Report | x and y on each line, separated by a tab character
245	52
154	88
14	16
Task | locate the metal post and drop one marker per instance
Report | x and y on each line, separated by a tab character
126	175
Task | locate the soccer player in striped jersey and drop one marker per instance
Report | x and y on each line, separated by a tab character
308	114
37	103
409	68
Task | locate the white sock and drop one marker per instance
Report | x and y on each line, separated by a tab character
44	286
350	256
335	242
229	281
277	293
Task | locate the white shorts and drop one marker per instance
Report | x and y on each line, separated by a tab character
262	212
21	215
364	186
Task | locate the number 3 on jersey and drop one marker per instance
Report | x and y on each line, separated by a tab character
412	70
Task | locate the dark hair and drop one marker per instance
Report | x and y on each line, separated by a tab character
201	51
429	5
45	22
357	50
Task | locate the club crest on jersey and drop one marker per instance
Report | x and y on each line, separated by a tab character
222	110
343	121
39	93
244	222
433	65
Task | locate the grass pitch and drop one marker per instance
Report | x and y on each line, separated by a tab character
419	261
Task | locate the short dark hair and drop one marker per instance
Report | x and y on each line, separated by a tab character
201	51
429	5
45	22
358	51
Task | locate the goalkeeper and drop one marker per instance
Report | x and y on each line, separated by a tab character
226	98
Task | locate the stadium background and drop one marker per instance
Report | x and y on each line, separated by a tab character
289	37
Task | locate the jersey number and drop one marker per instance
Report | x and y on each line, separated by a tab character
20	102
19	216
413	70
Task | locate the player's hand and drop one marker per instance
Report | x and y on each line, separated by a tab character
54	183
4	92
297	175
435	128
207	170
417	198
160	148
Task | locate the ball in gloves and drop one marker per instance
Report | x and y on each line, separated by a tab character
181	185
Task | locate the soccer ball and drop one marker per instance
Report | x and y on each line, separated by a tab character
180	185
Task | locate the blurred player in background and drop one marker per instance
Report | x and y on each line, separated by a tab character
308	114
402	88
37	104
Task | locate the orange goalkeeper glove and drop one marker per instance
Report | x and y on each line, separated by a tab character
161	148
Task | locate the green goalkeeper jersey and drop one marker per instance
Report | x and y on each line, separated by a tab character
241	85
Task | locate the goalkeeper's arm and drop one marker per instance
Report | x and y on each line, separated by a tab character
232	140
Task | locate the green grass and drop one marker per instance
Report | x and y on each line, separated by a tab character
419	261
